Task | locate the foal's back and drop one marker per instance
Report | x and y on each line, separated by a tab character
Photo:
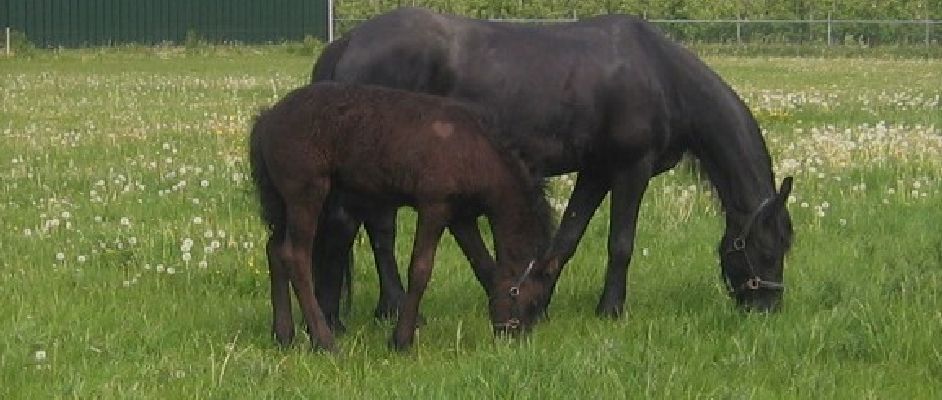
386	144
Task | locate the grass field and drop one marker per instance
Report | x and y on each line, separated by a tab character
133	266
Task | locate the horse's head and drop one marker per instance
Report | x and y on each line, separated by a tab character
519	302
752	253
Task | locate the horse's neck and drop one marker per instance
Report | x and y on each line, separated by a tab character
737	162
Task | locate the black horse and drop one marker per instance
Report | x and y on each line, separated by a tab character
609	97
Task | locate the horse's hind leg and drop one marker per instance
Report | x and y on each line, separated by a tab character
628	187
381	228
428	232
295	252
282	321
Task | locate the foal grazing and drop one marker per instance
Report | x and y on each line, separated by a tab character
387	148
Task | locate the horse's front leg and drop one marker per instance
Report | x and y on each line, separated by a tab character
468	236
428	232
381	228
628	188
588	193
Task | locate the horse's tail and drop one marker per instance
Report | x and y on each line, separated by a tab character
273	208
327	62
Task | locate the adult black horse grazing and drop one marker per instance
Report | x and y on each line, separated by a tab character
383	148
609	97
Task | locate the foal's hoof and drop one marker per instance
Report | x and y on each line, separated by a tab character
610	311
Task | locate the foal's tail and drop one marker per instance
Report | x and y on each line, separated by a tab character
273	206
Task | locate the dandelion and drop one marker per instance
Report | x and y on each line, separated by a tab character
126	283
60	256
208	234
171	271
645	252
804	204
159	268
197	220
187	257
39	355
204	183
132	240
66	215
81	258
27	232
125	221
203	264
842	222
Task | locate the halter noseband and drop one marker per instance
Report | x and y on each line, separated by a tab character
739	245
514	322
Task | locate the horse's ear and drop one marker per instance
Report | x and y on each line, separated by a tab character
782	197
785	189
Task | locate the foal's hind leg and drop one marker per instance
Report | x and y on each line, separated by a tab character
428	232
628	187
381	228
295	253
282	322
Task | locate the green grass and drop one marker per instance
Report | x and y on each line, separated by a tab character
97	144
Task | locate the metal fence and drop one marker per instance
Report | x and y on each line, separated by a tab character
74	23
769	31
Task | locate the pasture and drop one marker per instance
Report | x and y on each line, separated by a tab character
133	261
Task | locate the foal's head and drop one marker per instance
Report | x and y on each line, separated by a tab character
523	284
752	257
519	303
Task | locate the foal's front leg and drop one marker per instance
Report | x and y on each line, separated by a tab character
428	232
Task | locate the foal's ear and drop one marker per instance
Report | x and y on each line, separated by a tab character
552	267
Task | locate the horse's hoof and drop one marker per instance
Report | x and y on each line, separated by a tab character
400	345
329	348
393	314
386	312
284	339
610	311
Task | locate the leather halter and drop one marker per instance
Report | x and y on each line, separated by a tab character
755	282
514	322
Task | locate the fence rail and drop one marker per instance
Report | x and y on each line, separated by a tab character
825	31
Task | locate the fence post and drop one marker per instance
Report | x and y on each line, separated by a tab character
330	21
829	29
927	30
7	31
739	29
